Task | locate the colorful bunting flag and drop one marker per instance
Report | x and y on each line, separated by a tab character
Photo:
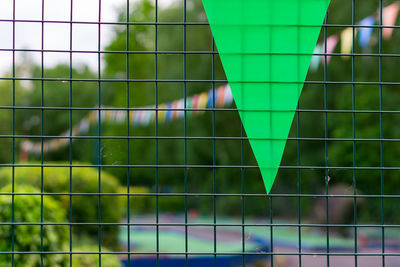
316	58
346	38
265	48
365	32
389	17
138	117
329	47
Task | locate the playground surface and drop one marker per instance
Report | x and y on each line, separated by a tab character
230	238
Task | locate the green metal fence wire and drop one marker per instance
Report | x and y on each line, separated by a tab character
270	220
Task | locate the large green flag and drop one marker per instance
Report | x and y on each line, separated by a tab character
266	48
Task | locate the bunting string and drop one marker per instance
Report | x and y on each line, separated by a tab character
196	104
364	32
140	117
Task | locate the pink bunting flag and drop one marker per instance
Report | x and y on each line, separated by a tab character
389	17
329	46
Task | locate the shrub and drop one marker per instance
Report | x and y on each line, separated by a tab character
27	237
138	203
84	207
90	260
142	203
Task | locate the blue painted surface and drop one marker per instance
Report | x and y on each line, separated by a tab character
221	261
192	262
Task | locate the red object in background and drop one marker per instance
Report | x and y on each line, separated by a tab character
193	213
23	155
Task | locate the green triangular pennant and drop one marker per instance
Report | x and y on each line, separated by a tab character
266	47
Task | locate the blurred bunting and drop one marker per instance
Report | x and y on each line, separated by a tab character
346	39
365	32
329	47
139	117
389	17
316	58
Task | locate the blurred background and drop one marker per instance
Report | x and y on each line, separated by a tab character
341	143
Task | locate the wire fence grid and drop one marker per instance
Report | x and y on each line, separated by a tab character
221	189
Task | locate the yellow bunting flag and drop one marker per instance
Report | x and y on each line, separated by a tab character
347	41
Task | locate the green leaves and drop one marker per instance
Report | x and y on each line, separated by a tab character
27	237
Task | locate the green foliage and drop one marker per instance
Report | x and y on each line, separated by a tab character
336	95
28	236
91	260
6	119
85	208
138	203
170	66
343	125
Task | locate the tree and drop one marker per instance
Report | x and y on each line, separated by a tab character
133	56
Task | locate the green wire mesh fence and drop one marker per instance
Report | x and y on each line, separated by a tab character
121	144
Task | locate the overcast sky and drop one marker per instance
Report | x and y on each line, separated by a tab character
56	35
